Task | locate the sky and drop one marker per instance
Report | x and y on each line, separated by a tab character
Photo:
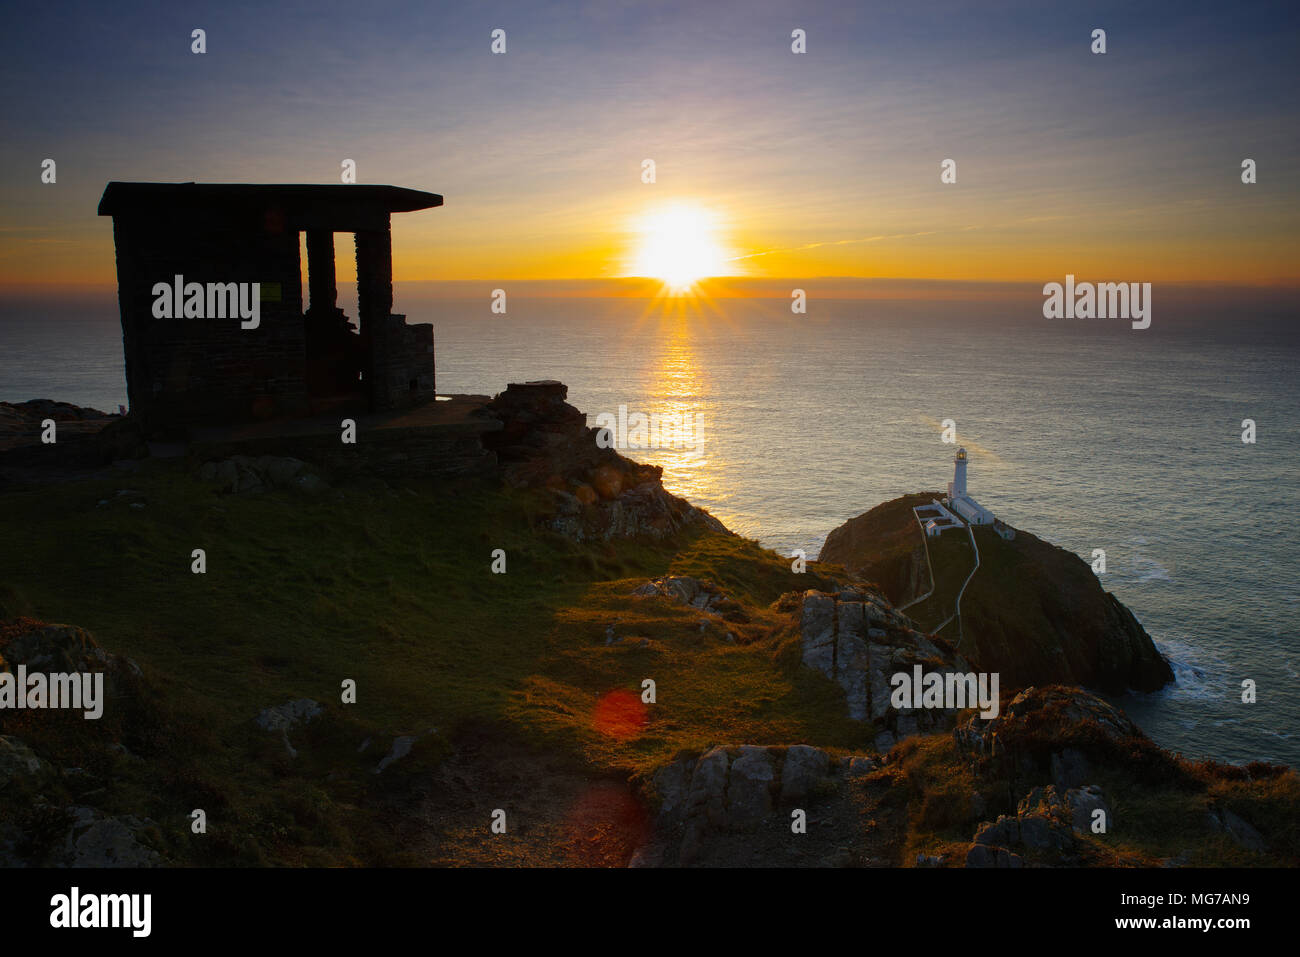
1117	167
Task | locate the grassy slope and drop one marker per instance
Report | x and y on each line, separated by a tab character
391	587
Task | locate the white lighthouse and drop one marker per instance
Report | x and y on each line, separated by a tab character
958	498
957	488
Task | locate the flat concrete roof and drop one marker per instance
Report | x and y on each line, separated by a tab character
320	200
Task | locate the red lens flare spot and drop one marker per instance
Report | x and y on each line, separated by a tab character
619	714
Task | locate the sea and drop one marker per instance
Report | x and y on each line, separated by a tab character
1089	434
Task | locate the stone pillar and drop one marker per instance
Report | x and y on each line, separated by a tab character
374	305
320	272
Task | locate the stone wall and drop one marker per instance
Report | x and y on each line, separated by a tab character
182	371
407	370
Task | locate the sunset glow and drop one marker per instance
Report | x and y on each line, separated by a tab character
679	246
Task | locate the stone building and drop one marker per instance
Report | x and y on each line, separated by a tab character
190	360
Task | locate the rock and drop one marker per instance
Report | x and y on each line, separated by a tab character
1041	825
95	840
708	786
833	640
1221	819
284	718
607	481
87	438
243	474
402	746
1083	803
817	633
310	483
703	595
647	855
1070	768
1038	716
68	649
17	761
804	768
749	788
880	658
905	726
857	767
55	648
1035	613
981	855
671	785
707	801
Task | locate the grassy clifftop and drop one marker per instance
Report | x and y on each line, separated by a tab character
475	691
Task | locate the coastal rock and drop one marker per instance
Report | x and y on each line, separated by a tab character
833	635
1037	719
599	495
86	437
1040	828
1055	624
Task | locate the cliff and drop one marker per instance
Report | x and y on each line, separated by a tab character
1033	612
633	685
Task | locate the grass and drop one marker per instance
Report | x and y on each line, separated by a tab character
952	560
392	588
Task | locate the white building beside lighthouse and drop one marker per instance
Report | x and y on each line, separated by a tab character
961	502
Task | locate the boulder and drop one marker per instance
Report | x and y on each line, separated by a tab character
285	717
97	840
804	769
17	761
749	788
244	474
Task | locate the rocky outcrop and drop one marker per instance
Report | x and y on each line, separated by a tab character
599	495
284	718
245	474
857	639
17	761
746	790
1045	829
84	437
98	840
1033	612
65	649
703	595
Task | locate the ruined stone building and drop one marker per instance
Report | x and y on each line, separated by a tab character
199	363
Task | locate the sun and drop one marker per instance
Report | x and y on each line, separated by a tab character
679	246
